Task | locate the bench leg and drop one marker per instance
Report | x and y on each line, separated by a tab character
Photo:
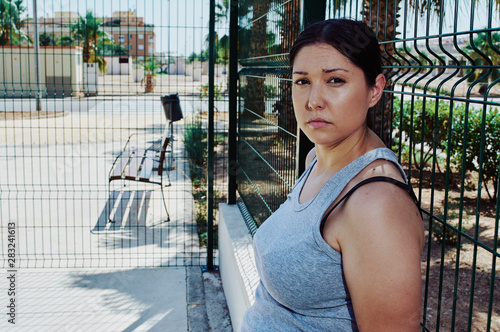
109	203
164	203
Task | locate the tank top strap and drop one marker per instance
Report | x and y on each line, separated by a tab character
304	174
405	186
334	186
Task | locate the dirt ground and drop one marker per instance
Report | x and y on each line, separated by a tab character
454	263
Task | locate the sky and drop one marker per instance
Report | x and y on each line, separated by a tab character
181	26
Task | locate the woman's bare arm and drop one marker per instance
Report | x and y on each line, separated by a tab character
381	241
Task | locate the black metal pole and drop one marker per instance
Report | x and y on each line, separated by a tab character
232	168
38	74
312	11
210	152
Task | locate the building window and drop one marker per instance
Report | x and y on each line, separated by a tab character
141	47
141	36
141	57
121	39
129	36
151	50
151	40
129	47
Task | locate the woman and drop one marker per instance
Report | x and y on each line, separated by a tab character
342	253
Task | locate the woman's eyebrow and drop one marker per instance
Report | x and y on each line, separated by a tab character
326	71
334	69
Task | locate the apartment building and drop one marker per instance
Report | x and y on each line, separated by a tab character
130	31
124	26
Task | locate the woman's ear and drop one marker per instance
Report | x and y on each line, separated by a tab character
377	90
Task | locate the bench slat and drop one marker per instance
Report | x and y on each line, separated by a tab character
134	165
120	164
147	166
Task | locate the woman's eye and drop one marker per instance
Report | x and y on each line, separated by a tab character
301	82
336	80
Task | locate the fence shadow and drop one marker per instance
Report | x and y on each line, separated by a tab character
134	295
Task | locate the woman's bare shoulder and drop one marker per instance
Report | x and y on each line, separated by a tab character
310	156
380	167
385	210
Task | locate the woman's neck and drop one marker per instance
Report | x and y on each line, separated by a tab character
331	159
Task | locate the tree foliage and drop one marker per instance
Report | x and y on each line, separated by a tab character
88	32
11	32
485	51
46	39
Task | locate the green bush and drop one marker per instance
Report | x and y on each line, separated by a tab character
195	140
431	126
483	135
270	91
218	89
428	127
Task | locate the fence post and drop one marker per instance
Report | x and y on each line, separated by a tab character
210	152
232	166
36	39
312	11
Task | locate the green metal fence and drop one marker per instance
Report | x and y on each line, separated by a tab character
440	115
103	68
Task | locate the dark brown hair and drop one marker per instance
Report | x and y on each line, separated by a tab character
354	39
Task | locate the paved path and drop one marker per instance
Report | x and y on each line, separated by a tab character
75	272
132	299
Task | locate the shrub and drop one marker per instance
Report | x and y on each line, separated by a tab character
218	89
483	132
431	127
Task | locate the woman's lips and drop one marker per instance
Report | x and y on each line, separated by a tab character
318	123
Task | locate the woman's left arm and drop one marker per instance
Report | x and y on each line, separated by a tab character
381	246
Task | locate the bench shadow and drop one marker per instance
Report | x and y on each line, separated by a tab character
127	208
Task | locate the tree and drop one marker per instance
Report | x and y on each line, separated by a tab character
254	100
382	16
10	23
483	54
65	40
290	29
89	34
115	50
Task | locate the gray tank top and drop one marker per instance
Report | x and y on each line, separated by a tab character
302	285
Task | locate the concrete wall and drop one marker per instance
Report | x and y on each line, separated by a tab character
117	68
236	263
61	70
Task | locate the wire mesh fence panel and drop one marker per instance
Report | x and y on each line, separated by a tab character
81	141
267	128
439	114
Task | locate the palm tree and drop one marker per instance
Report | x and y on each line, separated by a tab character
10	23
150	66
89	34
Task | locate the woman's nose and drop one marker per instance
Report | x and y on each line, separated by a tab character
316	99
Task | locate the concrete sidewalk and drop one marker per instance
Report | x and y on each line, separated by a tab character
137	299
54	190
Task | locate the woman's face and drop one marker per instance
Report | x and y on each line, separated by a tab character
330	95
